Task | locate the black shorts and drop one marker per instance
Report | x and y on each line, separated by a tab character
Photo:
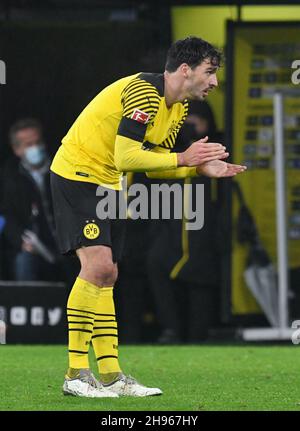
77	224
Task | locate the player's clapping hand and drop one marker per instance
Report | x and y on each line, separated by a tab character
220	169
200	152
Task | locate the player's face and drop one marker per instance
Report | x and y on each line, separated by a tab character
201	80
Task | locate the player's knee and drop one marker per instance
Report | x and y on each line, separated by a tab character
98	268
107	275
103	272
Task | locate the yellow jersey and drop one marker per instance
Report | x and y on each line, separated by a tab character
132	108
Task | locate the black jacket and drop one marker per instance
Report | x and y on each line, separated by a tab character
24	206
166	246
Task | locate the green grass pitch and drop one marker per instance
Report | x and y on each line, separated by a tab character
196	378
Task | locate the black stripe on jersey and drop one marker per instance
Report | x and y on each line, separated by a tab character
84	323
82	317
156	79
104	320
166	144
81	330
145	102
137	88
104	335
107	327
81	311
142	95
132	129
169	142
136	85
107	356
78	351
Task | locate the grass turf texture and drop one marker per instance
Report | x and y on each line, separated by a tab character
193	378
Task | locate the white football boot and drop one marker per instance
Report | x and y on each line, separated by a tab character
86	385
128	386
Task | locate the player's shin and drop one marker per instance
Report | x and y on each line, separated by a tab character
81	308
105	337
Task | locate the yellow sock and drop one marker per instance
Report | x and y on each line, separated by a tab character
105	336
81	309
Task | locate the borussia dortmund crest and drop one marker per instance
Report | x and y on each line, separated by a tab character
91	230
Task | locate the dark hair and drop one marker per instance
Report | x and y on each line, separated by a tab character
25	123
192	51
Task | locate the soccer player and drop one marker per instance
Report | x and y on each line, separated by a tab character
131	125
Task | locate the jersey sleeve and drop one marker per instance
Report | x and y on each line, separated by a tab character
140	101
129	157
174	173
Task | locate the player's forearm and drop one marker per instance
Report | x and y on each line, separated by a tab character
178	173
129	157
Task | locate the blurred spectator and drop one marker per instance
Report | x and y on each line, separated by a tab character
183	264
199	123
26	205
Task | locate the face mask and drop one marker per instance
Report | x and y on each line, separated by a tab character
35	155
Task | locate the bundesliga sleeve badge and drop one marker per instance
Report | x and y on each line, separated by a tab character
91	230
140	116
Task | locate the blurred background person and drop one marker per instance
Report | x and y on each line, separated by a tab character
29	233
133	295
183	265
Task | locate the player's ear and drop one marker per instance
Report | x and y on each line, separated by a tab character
184	69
